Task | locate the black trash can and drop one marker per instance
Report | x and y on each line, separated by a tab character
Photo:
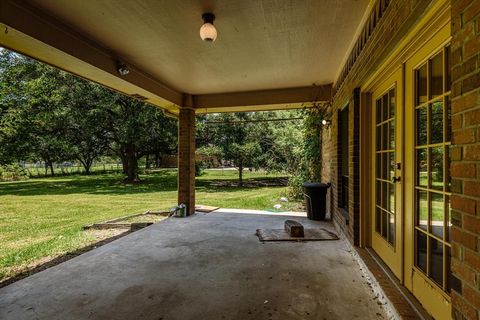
316	199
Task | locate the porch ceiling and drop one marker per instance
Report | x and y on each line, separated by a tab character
261	45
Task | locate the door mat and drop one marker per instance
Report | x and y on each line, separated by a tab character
205	209
310	235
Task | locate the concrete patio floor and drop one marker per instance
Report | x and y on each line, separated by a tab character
208	266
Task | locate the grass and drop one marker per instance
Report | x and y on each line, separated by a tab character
41	218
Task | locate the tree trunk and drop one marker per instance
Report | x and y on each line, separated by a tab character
240	175
132	164
123	157
50	164
87	167
157	160
87	164
147	161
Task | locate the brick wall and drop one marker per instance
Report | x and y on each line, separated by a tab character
397	20
186	158
465	156
354	166
328	156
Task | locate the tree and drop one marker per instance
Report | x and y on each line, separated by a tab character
248	140
49	114
15	72
136	130
87	133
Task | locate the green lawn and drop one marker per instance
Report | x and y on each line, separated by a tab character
43	218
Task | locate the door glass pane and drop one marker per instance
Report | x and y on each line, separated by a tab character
378	164
385	140
378	220
379	111
422	168
391	135
422	85
422	210
385	166
384	195
391	206
432	176
391	228
379	138
448	111
436	122
391	94
386	107
436	80
391	165
436	261
384	224
421	125
449	218
447	178
438	214
421	252
437	168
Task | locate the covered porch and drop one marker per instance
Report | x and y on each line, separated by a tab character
399	81
206	266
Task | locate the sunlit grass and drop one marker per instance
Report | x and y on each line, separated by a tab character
44	217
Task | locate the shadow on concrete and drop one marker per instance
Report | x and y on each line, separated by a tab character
60	259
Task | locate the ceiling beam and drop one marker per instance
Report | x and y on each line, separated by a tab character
28	31
276	99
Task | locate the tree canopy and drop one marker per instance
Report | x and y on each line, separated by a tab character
50	115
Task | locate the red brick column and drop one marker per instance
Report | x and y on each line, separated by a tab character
186	158
465	156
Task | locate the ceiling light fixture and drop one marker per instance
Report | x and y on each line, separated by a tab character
207	30
326	123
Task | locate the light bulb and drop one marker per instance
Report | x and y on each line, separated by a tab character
208	32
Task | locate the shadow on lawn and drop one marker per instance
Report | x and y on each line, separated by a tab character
104	184
111	184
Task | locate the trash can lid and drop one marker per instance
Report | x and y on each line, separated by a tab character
316	185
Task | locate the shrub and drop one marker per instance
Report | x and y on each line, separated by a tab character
199	168
13	172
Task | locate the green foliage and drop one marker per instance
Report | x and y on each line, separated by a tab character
12	172
312	146
308	163
247	141
211	155
52	116
199	168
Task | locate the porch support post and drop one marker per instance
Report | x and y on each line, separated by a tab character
186	155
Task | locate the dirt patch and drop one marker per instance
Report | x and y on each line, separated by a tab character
274	182
154	218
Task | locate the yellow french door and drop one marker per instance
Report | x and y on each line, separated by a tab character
387	163
427	177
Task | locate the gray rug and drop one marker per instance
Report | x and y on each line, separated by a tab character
310	235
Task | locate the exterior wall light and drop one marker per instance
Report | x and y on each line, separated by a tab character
122	69
326	123
207	30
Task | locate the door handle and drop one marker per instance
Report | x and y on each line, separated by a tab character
396	179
